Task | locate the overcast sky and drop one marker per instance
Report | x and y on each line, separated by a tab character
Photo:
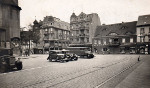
109	11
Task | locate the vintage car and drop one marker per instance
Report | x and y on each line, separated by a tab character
57	55
72	56
81	51
8	62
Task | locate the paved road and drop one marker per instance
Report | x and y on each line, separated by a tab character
84	73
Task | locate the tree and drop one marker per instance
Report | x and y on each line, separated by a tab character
36	36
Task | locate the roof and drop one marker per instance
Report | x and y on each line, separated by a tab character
124	28
143	20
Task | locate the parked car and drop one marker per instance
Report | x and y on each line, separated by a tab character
8	62
71	56
57	55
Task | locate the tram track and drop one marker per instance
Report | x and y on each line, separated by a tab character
94	69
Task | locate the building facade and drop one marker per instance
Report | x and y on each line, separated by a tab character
129	37
54	34
143	34
115	38
83	27
9	21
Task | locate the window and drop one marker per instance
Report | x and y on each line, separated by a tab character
104	41
131	40
46	30
142	31
142	39
110	40
87	31
51	29
99	42
123	40
46	41
87	39
95	41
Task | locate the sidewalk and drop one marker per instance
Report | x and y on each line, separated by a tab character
139	78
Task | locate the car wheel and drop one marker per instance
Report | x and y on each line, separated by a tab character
50	60
88	56
61	61
19	65
76	58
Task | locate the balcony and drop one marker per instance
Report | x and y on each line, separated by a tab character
82	27
83	35
114	44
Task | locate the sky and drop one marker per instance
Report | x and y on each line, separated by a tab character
109	11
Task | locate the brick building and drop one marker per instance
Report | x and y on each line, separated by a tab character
83	27
54	34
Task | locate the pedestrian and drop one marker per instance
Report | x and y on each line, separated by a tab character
26	53
139	58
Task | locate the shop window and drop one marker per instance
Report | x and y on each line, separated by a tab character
105	49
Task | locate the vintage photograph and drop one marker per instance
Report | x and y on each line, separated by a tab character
74	43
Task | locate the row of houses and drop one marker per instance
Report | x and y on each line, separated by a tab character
126	37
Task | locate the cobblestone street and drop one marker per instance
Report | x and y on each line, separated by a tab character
102	71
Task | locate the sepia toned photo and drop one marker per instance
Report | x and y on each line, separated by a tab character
74	44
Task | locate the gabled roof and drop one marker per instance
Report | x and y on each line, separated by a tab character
143	20
119	28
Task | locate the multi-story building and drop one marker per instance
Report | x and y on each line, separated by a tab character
128	37
83	27
115	38
9	23
143	34
54	34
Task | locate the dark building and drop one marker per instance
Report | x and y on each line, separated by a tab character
9	24
115	38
